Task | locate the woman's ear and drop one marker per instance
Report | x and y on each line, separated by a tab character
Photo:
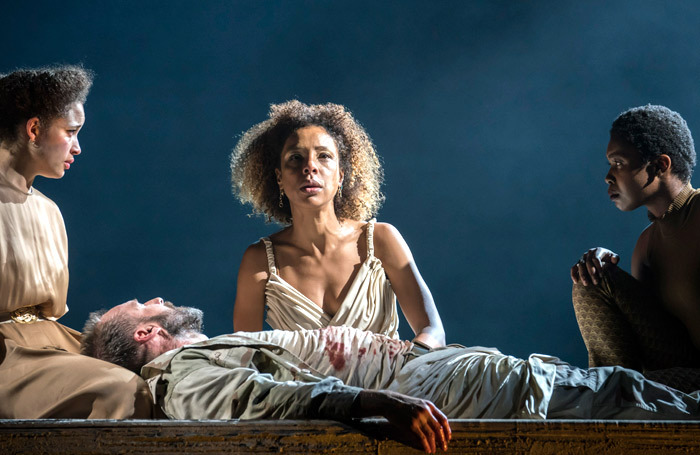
278	173
32	127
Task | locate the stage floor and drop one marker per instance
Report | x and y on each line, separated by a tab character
368	436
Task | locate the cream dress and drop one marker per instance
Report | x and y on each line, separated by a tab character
370	303
42	374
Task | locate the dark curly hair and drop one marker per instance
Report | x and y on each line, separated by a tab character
656	130
113	341
45	93
257	155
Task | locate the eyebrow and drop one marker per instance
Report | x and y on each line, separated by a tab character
615	155
295	148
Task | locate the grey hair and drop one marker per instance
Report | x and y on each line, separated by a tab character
113	341
656	130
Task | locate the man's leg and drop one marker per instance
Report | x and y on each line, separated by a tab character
616	393
684	379
623	324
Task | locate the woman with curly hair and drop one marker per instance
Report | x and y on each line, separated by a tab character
315	169
43	374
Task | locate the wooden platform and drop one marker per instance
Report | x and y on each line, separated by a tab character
306	437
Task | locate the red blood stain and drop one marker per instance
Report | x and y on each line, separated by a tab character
361	352
335	355
334	349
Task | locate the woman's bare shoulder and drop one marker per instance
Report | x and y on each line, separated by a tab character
389	245
254	258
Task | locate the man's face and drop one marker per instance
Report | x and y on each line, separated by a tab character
628	178
176	320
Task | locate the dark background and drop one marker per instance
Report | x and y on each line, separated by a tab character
491	117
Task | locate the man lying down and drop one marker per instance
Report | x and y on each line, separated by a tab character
340	373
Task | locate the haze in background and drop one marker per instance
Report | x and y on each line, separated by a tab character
491	117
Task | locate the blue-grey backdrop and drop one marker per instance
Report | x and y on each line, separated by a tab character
491	117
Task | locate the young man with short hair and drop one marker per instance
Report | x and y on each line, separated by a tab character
648	320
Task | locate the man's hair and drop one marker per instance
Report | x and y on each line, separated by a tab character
113	341
46	93
656	130
257	155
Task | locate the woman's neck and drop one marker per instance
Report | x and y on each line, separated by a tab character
314	227
14	169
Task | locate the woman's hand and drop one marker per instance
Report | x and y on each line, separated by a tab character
413	294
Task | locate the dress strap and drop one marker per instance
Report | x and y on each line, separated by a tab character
270	255
370	237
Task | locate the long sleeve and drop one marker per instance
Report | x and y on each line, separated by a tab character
249	383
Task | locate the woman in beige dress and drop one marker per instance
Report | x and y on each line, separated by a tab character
42	372
314	169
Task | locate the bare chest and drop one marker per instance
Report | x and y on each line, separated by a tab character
323	279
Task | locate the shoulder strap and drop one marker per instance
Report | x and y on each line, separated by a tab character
370	237
270	255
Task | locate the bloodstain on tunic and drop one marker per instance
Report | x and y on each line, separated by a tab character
334	348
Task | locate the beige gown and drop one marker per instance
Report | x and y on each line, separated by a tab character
42	374
370	303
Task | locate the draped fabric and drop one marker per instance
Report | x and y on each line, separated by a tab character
42	374
208	379
370	303
33	252
317	374
463	382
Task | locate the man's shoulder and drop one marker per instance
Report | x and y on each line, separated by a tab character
222	341
691	209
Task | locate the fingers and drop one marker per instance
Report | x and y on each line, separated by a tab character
574	274
580	271
594	267
590	267
432	428
441	426
425	433
611	257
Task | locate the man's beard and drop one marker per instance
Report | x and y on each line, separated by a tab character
181	320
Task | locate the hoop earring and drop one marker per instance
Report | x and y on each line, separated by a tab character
33	143
281	204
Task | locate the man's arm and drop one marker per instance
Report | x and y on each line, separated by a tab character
640	265
425	422
201	385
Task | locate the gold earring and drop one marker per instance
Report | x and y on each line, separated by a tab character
340	191
281	204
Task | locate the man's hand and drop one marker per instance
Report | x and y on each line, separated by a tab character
588	269
421	418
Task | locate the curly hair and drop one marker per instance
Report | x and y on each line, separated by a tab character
656	130
113	341
257	155
45	93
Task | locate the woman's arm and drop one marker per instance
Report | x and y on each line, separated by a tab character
249	307
413	294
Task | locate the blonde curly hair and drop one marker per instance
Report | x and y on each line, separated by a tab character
257	155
